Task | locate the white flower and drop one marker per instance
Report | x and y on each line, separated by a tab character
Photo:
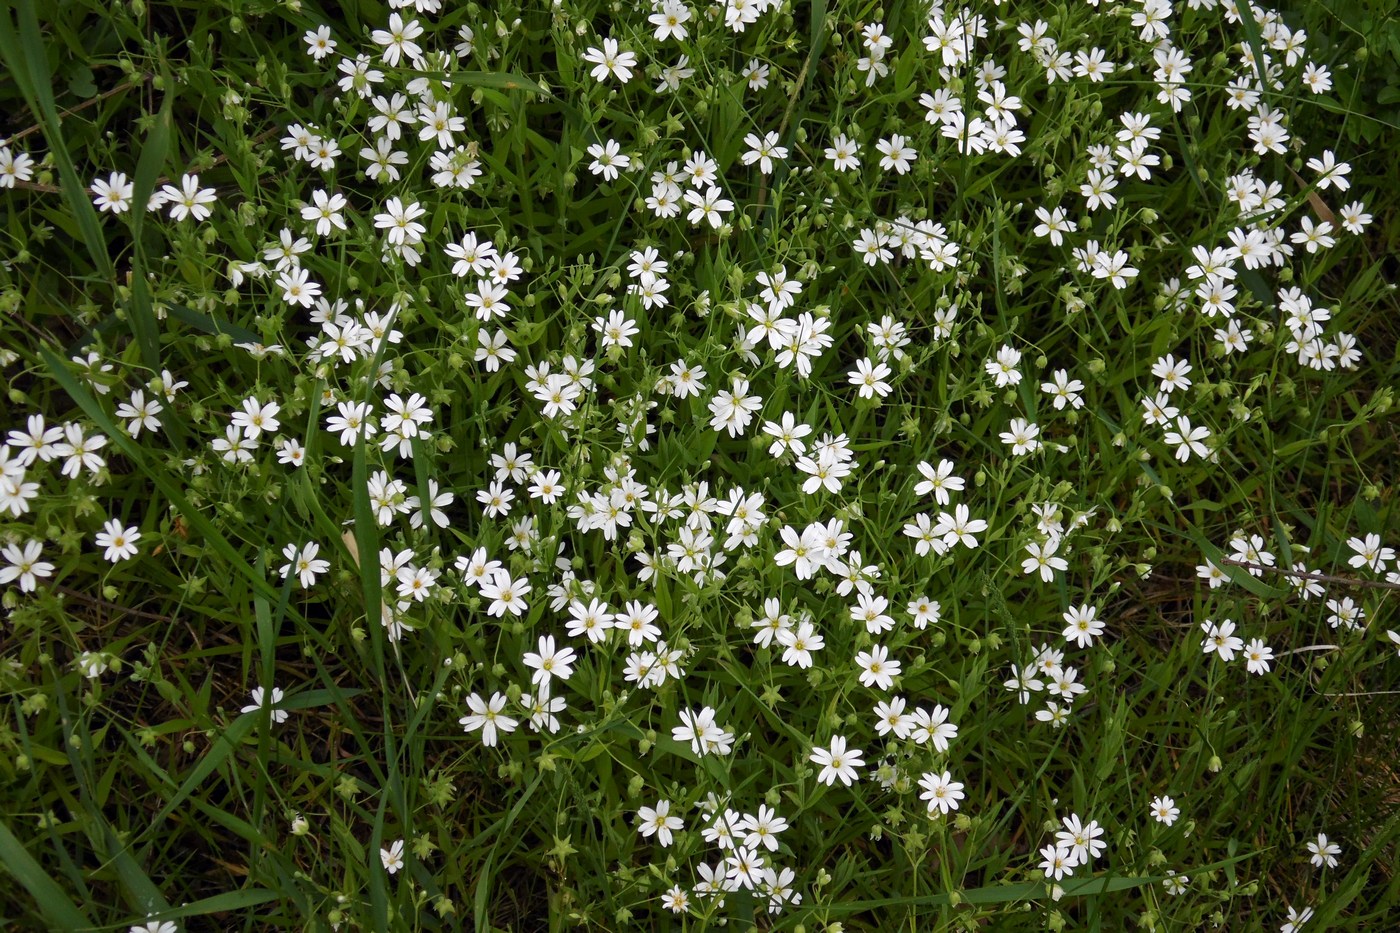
1022	436
959	527
304	563
843	153
1368	552
259	699
256	417
700	730
398	40
119	542
876	669
1082	625
1221	639
1258	656
1324	853
400	220
14	167
155	926
25	565
319	43
113	195
506	595
392	857
897	154
1064	391
617	329
141	412
297	287
608	160
709	207
1056	862
1172	372
1332	174
1188	440
763	151
1042	559
92	664
733	410
838	762
686	380
291	453
1081	839
941	792
670	21
189	200
550	662
870	376
931	727
609	60
657	821
1164	810
1296	919
487	717
325	210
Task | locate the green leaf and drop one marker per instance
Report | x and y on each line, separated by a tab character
483	882
27	61
223	746
139	308
54	904
119	438
218	904
502	80
211	325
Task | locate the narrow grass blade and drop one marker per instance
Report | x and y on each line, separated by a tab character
139	309
218	904
27	61
170	490
223	746
54	905
210	325
501	80
141	892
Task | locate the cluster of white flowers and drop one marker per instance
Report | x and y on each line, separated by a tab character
711	346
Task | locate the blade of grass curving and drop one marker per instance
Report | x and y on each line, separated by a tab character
51	756
210	325
139	307
140	890
501	80
311	437
268	624
224	746
483	880
367	544
1255	39
218	904
378	890
310	699
101	329
816	38
27	61
239	827
133	452
1025	891
54	905
1237	575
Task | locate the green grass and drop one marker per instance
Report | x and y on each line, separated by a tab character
145	793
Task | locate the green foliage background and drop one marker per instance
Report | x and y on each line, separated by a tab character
154	795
